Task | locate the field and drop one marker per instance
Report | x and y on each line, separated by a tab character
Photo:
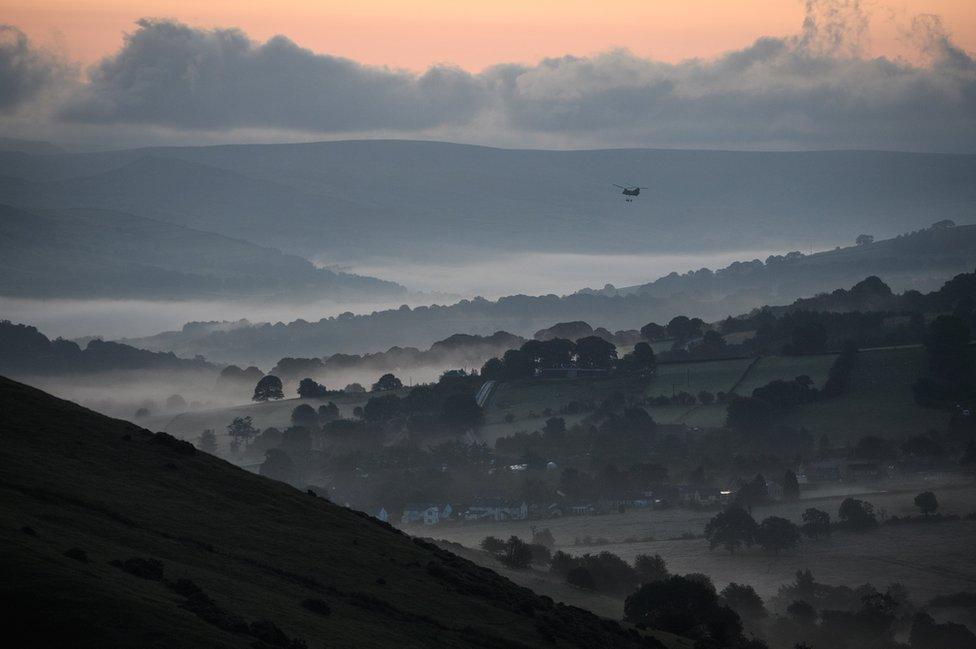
929	559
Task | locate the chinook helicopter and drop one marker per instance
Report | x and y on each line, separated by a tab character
630	191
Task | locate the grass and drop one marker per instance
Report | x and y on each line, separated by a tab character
879	400
258	548
929	559
770	368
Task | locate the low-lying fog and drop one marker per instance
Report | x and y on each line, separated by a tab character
440	282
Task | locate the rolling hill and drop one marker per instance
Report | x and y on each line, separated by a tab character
407	199
95	253
114	536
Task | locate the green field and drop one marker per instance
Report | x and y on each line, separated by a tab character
770	368
929	559
879	400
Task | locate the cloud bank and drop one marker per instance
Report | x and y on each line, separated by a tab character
816	89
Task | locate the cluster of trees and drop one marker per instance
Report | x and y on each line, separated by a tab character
516	553
606	572
590	352
735	527
952	372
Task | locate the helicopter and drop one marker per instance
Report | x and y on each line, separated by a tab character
630	191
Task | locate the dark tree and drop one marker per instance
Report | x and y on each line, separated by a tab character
653	331
951	370
927	634
278	466
382	408
461	412
791	486
581	578
354	388
208	441
241	429
731	529
309	389
748	414
864	239
554	426
650	568
927	502
802	613
386	383
594	352
328	412
682	606
304	415
744	600
706	398
268	389
857	514
684	328
816	523
775	534
493	370
641	359
493	545
517	553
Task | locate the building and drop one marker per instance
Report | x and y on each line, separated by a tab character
382	515
426	513
496	509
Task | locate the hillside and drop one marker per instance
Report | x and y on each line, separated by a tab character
104	253
243	561
344	200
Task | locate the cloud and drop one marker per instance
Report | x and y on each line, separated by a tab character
25	72
169	74
815	89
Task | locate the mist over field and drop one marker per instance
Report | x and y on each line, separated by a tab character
309	337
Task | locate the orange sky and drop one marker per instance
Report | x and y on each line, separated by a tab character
416	33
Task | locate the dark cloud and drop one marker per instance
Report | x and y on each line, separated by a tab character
816	89
25	72
173	75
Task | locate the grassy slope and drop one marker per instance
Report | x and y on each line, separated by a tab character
256	547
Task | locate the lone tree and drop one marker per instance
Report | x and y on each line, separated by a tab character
775	534
517	553
864	239
927	502
241	429
268	389
208	441
309	389
791	486
857	514
731	529
386	383
816	523
305	416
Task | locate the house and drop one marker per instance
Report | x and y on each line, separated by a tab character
382	515
426	513
580	509
496	509
824	471
774	490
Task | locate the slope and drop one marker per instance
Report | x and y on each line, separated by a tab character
103	253
241	558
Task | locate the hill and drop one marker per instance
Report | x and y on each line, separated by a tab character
118	537
104	253
411	200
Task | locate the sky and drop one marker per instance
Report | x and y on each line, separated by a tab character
740	74
416	34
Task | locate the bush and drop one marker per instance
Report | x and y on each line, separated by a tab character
581	578
775	534
857	514
650	568
731	529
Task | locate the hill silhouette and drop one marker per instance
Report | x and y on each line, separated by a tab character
115	536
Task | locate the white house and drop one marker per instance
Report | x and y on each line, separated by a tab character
426	513
496	509
382	515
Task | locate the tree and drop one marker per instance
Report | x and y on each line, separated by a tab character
581	578
641	359
594	352
816	523
493	545
927	502
857	514
328	412
744	600
208	441
278	466
241	429
268	388
382	408
650	568
748	414
354	388
951	373
684	607
461	412
775	534
802	612
791	486
683	328
731	529
653	331
927	634
386	383
706	398
305	415
554	426
517	553
493	370
309	389
864	239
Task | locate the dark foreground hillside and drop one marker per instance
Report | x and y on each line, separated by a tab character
112	536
